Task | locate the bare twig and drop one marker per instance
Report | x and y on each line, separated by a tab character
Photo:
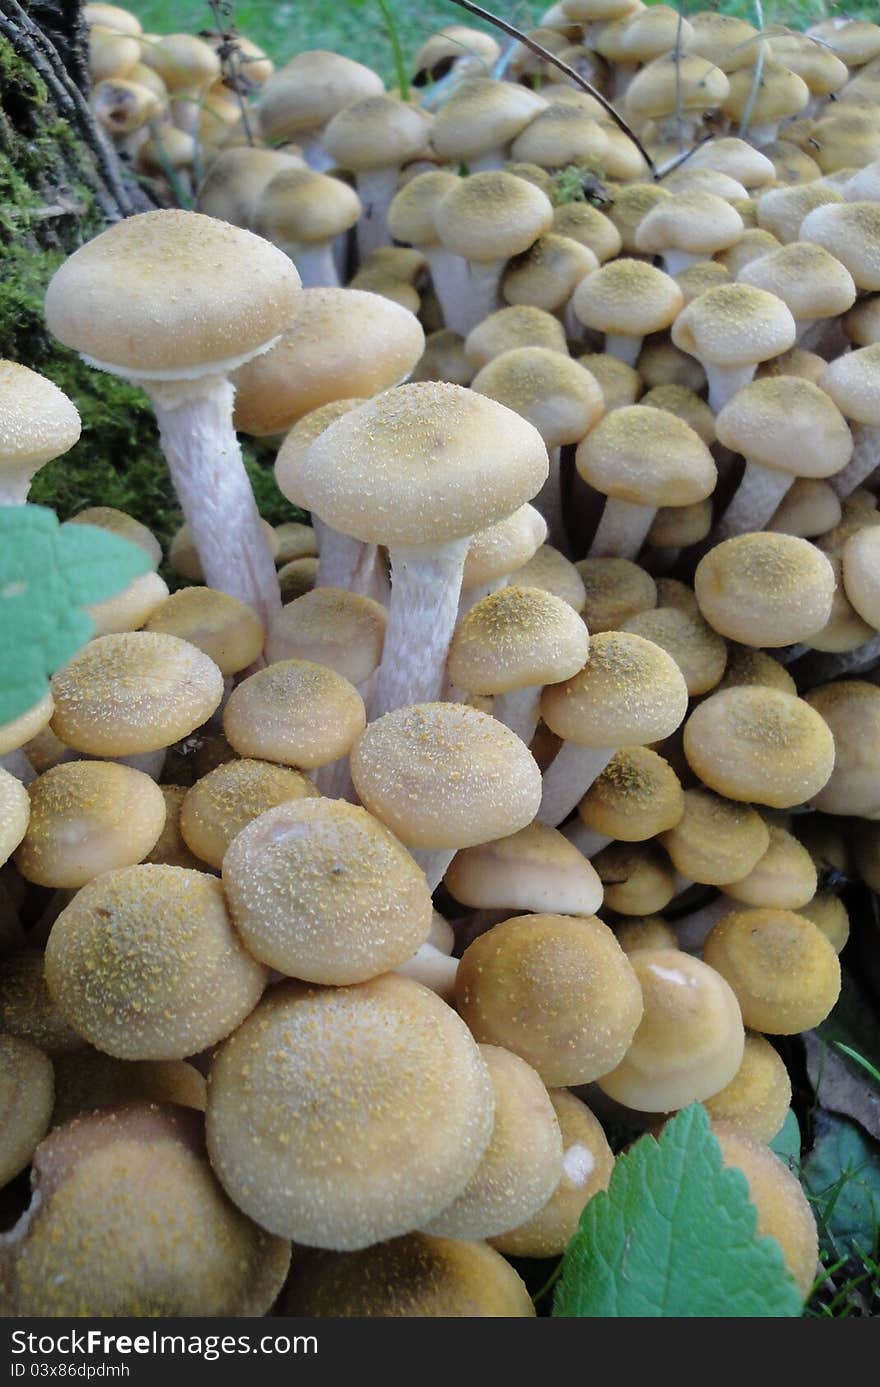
229	53
570	72
758	74
680	159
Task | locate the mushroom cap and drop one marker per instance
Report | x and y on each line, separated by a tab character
549	569
699	652
514	639
298	441
616	590
491	216
686	80
295	712
334	627
735	157
375	132
758	1096
647	457
787	423
145	964
132	692
346	1115
162	1237
754	244
809	508
660	363
320	890
17	732
411	211
806	276
482	114
686	405
442	775
829	914
503	548
785	877
861	573
759	744
689	1043
637	796
88	1079
747	666
237	178
555	394
548	272
37	420
299	206
86	818
783	969
779	95
295	541
141	298
765	589
645	932
716	841
851	231
15	811
851	708
734	325
723	39
782	210
559	992
783	1211
636	877
344	343
308	90
221	626
629	693
422	463
130	609
170	849
560	135
521	325
296	578
696	221
535	869
26	1008
584	223
27	1092
627	297
587	1163
852	381
231	796
413	1276
521	1166
118	522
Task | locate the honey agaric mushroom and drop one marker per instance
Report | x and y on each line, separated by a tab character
689	1043
637	796
221	626
534	869
26	1008
15	811
521	325
231	796
629	693
88	817
759	744
322	891
443	776
162	1237
302	96
636	878
758	1096
587	1163
731	329
334	627
139	301
497	552
784	971
555	990
552	571
616	589
27	1092
89	1079
421	469
295	712
828	913
851	708
118	522
344	1116
145	964
372	137
302	212
716	840
626	299
851	381
696	648
37	423
415	1276
765	589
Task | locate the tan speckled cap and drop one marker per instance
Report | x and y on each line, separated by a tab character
733	325
781	210
18	731
582	222
26	1094
549	569
228	798
517	638
616	590
758	1096
482	115
322	891
747	666
787	423
334	627
809	508
555	394
627	298
295	712
851	231
491	216
765	589
535	869
300	207
304	94
145	964
560	135
699	652
548	272
636	796
620	384
647	457
376	132
521	325
442	775
183	556
15	810
806	276
130	609
852	382
118	522
504	547
636	877
716	841
696	222
785	877
88	817
295	541
227	630
784	971
133	692
851	708
387	1110
662	84
301	437
296	578
37	423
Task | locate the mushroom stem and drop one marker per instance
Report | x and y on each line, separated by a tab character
675	261
757	498
207	470
819	667
485	163
724	381
17	764
151	763
586	840
568	778
622	530
341	559
449	277
483	295
422	611
375	188
14	487
549	502
314	152
432	969
865	457
623	347
692	930
315	263
433	862
518	710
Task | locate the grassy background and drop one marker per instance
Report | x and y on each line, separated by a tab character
356	27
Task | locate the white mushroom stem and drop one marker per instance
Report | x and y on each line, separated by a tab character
484	282
151	763
761	135
17	764
586	840
14	486
433	862
865	457
314	152
724	381
334	779
518	710
433	969
422	612
568	778
675	261
549	502
818	666
756	500
623	347
692	930
315	262
209	477
340	558
622	530
486	163
449	276
375	188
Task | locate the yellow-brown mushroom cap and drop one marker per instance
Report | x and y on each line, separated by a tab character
118	522
132	692
517	638
648	457
445	775
504	547
37	420
629	693
15	810
223	627
765	589
759	744
552	571
787	423
716	840
556	394
783	969
322	891
227	799
347	1115
689	1043
26	1008
412	1276
699	652
521	325
535	869
88	817
628	297
308	90
492	216
295	712
616	590
334	627
734	325
757	1098
636	878
785	877
851	231
27	1092
557	991
145	964
851	708
637	796
128	1219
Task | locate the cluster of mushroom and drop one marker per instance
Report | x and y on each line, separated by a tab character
440	838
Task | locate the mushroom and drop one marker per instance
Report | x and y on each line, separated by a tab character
301	97
687	228
228	798
87	1080
783	969
851	709
552	571
521	325
637	796
616	589
731	329
696	648
15	811
626	299
302	212
534	869
716	840
636	878
765	589
294	712
27	1092
758	1096
499	551
372	138
37	423
851	381
26	1008
812	281
222	627
480	120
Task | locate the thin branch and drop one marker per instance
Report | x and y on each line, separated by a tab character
758	74
680	159
230	53
570	73
679	101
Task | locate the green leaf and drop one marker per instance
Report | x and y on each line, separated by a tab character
841	1176
674	1236
787	1142
48	574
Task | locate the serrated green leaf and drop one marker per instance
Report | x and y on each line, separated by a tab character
48	574
787	1142
841	1175
674	1235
